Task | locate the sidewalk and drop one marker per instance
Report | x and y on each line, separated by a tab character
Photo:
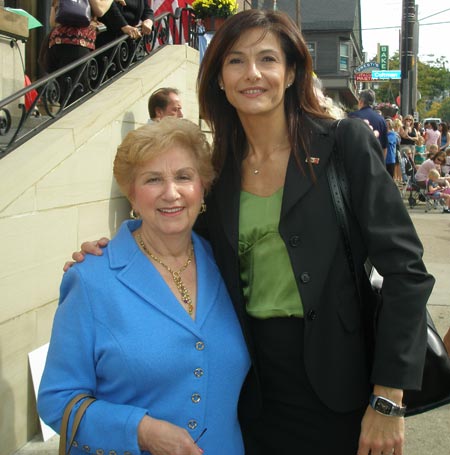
426	434
429	433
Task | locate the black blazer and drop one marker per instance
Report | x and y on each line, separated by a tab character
336	359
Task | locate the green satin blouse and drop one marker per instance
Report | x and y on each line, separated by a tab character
268	281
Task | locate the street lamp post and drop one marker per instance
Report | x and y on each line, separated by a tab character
408	58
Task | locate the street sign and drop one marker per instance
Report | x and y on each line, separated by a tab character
383	75
383	56
363	77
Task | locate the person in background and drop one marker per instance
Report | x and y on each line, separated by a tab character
432	135
420	151
164	102
149	329
333	108
438	189
366	112
125	17
445	168
65	45
445	136
419	128
313	387
392	145
432	150
434	162
408	134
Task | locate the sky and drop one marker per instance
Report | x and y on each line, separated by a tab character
434	39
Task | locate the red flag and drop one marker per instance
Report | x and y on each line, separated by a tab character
164	6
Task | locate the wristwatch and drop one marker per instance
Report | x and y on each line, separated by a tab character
386	407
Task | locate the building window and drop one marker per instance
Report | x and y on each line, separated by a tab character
344	56
312	48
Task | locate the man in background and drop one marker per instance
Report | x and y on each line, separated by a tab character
164	102
376	121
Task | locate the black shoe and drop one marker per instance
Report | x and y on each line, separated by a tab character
445	211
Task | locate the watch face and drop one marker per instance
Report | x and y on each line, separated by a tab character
383	406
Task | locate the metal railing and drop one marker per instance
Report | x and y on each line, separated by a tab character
32	109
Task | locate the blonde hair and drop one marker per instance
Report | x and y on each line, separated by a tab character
149	141
434	173
397	124
433	148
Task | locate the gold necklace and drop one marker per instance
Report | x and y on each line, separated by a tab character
176	275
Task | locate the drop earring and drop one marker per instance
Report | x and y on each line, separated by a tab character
134	215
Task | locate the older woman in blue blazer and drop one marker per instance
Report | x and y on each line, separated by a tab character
148	329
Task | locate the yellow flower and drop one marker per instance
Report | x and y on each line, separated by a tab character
220	8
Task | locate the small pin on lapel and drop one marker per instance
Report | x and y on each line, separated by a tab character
312	160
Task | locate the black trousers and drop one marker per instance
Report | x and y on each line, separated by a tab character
293	419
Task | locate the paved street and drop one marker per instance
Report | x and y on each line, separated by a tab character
426	434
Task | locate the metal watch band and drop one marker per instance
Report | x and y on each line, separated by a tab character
386	407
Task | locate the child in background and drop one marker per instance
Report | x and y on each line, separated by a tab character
438	189
419	156
391	155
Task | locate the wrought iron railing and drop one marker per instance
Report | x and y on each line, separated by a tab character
30	110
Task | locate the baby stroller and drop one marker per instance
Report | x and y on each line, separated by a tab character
415	193
409	173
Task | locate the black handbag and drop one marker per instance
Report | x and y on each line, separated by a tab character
74	13
435	391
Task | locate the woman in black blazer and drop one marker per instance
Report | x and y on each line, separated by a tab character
275	236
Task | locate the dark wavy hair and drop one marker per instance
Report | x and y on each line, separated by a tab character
300	97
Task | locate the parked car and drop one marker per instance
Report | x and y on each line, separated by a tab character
432	119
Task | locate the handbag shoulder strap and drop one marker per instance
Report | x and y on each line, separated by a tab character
88	400
340	194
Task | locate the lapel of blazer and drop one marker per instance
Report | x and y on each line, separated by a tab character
320	146
138	274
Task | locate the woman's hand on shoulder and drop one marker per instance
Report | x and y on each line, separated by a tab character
94	247
160	437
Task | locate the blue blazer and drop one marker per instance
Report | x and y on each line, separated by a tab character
121	335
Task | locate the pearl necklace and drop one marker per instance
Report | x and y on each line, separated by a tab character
176	275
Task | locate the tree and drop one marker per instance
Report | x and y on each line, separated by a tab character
444	111
433	85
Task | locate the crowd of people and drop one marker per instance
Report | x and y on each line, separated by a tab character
248	335
405	142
